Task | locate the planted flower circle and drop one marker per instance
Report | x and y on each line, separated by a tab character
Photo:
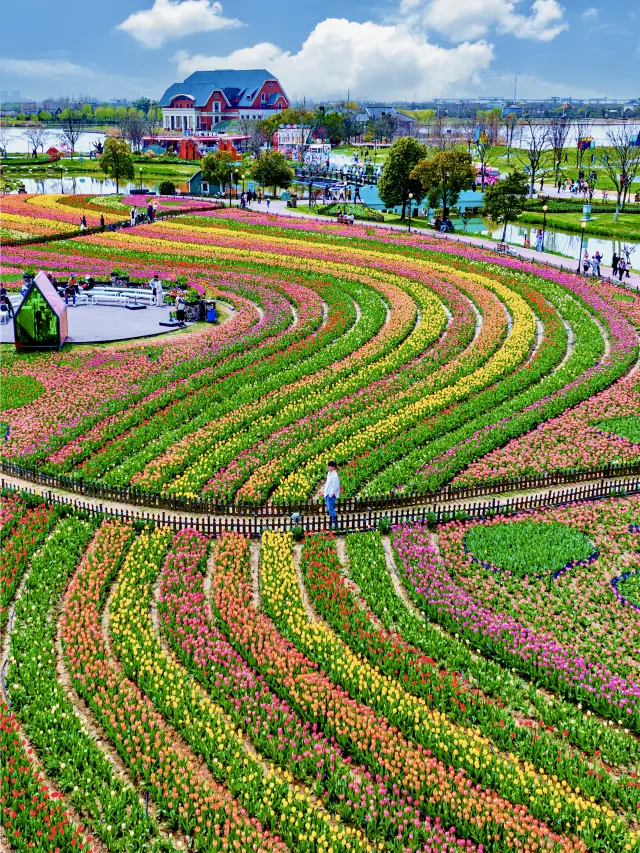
527	548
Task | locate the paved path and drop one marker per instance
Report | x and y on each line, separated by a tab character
549	496
280	208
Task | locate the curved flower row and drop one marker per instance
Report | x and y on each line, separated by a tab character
526	623
476	812
385	812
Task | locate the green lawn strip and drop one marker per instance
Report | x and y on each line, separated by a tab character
69	755
601	224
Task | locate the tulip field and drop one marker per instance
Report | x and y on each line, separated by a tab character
165	691
412	361
471	686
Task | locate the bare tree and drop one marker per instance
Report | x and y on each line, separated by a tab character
73	123
484	147
439	138
4	141
559	127
468	130
255	132
37	136
348	110
623	161
133	127
384	127
153	122
537	142
510	124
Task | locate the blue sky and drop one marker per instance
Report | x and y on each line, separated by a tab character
387	49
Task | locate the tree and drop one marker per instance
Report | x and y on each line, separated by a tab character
484	148
348	111
537	138
272	169
439	139
167	188
133	127
583	129
504	201
143	104
384	126
45	115
153	122
510	123
396	181
558	133
73	123
623	161
255	131
117	160
218	168
37	136
444	176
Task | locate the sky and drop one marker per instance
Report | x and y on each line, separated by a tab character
410	50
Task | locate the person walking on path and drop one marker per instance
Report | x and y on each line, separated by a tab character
332	493
102	225
157	294
621	268
615	260
586	263
595	265
133	216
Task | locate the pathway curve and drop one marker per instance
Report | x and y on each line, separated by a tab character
558	261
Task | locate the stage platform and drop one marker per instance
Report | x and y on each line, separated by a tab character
98	324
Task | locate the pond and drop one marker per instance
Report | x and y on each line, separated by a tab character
88	185
559	242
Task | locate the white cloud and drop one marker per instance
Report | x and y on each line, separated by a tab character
172	19
372	60
55	69
461	20
591	13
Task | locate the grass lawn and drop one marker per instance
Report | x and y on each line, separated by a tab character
602	225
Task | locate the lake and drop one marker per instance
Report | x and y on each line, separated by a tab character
17	143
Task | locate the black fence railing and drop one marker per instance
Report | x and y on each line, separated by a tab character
134	496
348	522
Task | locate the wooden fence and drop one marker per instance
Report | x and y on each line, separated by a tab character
133	496
349	522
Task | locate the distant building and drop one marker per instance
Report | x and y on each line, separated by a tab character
512	110
206	98
404	125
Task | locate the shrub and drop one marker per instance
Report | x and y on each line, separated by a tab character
167	188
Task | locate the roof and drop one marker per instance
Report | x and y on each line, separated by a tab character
243	85
374	112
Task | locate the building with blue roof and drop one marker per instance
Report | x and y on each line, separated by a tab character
206	98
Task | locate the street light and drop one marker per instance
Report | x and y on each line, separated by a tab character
583	225
140	173
410	203
243	177
544	224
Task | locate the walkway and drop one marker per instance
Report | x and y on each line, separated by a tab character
566	264
254	525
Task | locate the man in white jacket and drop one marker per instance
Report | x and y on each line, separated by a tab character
332	493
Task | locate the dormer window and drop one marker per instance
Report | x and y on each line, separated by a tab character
263	97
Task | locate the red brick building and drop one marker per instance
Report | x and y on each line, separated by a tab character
206	98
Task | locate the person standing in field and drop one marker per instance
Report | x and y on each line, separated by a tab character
332	493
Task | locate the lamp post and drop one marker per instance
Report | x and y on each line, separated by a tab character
61	181
410	204
243	177
544	224
140	174
583	225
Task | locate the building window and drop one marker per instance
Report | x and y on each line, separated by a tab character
263	97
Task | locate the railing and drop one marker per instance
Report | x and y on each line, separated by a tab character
349	522
448	494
